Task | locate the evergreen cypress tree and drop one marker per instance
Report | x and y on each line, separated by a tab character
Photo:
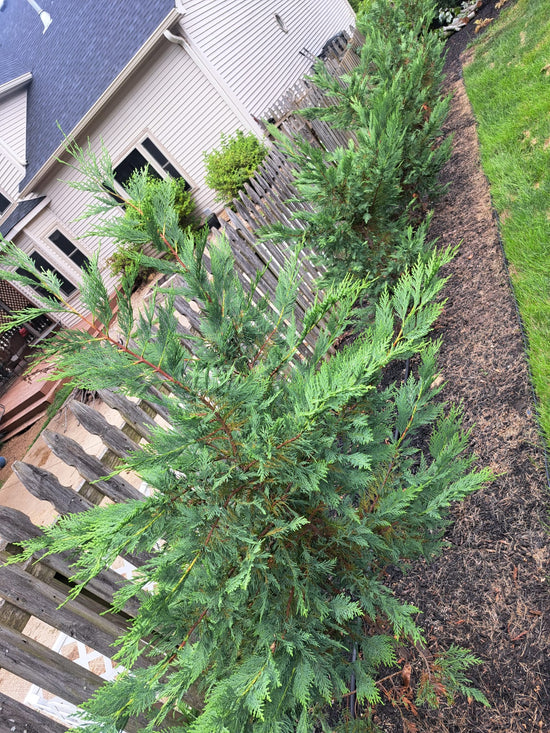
368	195
283	489
360	224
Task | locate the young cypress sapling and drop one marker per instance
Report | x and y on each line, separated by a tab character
366	196
283	488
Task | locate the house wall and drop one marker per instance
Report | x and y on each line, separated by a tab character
170	100
13	115
10	175
249	62
245	45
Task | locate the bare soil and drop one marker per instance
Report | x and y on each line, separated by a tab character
489	592
15	448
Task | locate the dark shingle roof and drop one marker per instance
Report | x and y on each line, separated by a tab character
19	213
87	45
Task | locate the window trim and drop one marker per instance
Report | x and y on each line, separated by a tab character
37	241
157	167
56	271
70	239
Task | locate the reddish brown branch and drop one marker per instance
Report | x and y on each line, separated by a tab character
188	636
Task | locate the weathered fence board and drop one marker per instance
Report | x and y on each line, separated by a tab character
154	403
40	588
18	718
95	423
134	415
45	486
81	620
36	663
16	527
89	467
41	666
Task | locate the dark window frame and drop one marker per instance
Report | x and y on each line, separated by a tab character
147	154
68	288
68	248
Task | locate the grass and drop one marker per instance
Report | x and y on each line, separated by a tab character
508	83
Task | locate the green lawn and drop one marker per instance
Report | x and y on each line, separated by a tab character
509	86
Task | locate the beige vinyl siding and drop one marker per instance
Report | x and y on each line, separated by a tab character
10	176
246	46
13	119
169	100
172	101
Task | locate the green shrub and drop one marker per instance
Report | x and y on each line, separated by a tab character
185	206
123	258
233	164
138	216
183	202
284	489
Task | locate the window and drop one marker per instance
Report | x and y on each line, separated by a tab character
133	162
69	249
4	203
146	155
161	159
67	287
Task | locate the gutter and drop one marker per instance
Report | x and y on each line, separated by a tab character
15	85
217	81
107	95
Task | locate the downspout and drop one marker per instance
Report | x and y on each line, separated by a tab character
217	81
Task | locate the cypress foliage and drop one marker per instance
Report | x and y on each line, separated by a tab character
367	195
400	57
283	489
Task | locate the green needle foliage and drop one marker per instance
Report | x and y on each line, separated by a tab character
400	59
366	196
230	166
360	222
283	489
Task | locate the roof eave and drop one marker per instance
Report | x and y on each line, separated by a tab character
19	224
105	97
14	85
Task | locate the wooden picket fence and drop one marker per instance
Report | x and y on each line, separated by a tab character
65	676
340	58
270	197
40	589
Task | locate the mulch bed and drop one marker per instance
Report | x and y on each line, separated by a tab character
489	592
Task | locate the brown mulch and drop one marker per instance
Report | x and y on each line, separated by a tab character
489	592
15	448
